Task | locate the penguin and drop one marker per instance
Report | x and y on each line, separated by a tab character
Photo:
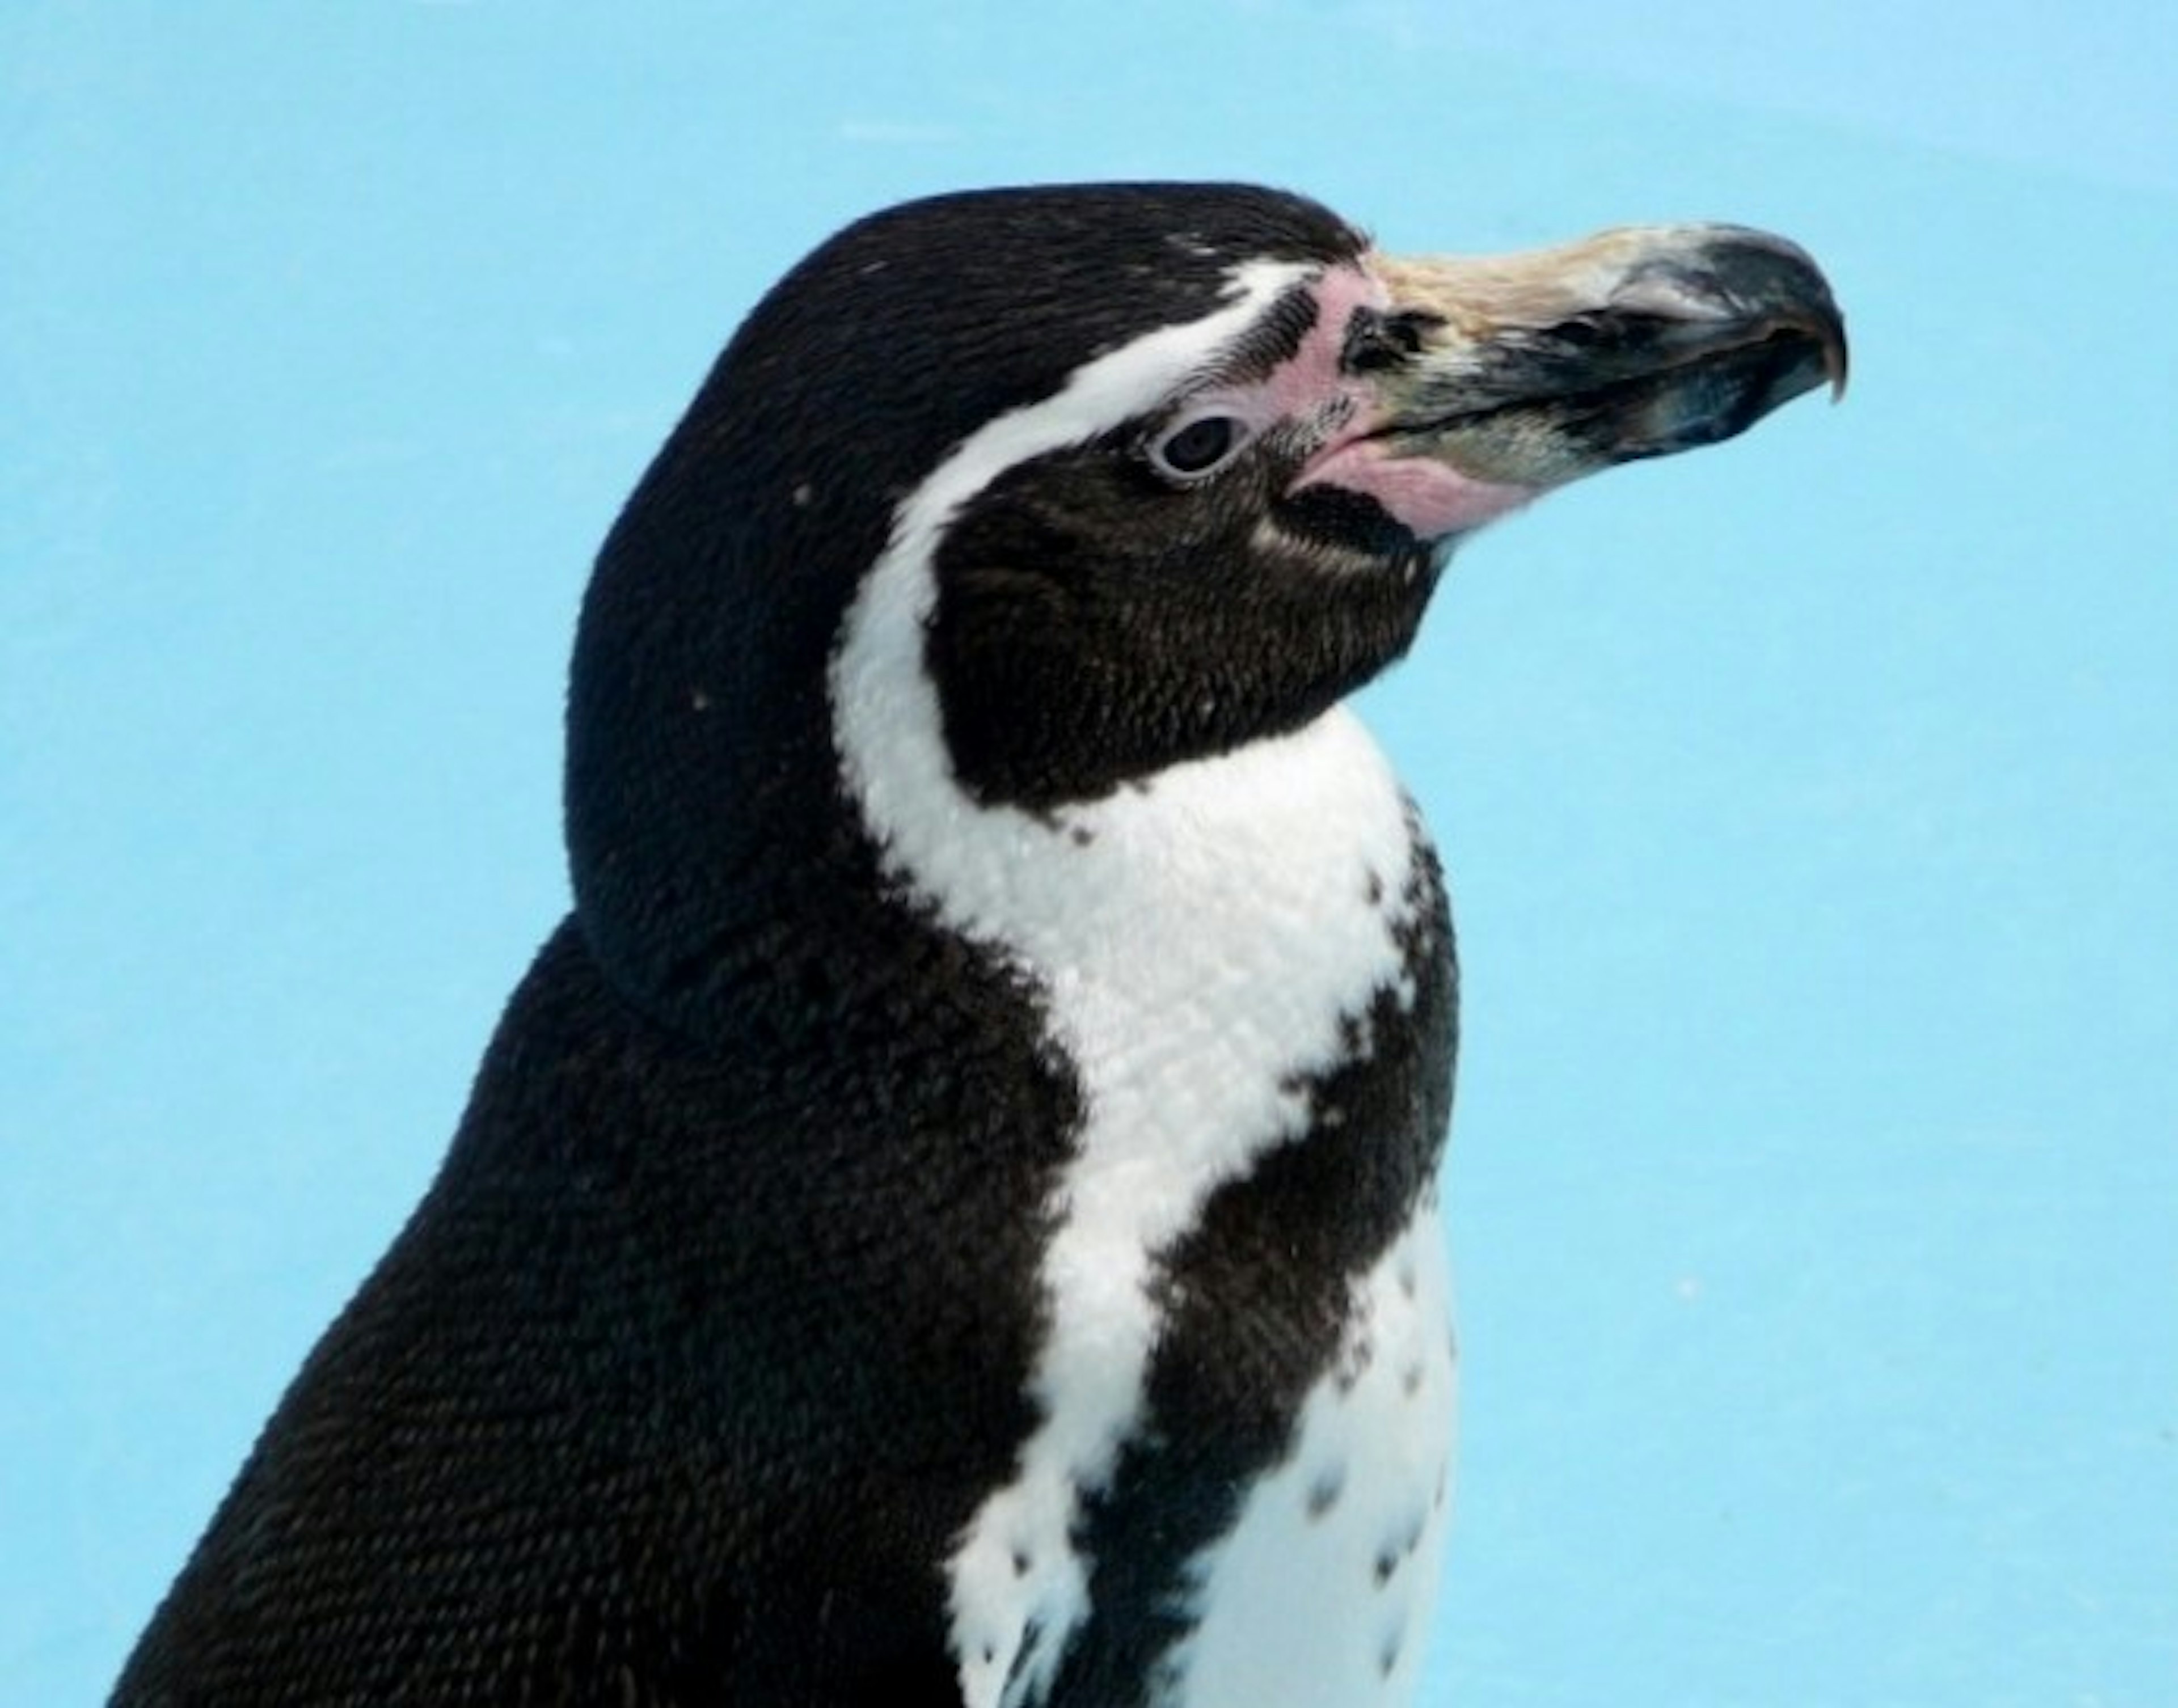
949	1218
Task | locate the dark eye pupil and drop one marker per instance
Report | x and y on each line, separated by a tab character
1200	445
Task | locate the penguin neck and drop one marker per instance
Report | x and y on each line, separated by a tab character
1230	913
1203	895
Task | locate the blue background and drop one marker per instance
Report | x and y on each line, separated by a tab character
1809	803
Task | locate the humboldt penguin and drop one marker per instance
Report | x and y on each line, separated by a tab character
949	1220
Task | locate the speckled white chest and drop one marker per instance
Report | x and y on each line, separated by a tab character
1321	1595
1197	942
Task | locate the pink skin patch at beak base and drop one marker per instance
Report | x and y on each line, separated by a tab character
1430	499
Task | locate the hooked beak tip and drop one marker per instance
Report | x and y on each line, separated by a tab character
1635	343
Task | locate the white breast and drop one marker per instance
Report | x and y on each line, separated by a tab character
1199	946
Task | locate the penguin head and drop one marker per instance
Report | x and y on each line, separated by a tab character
1095	481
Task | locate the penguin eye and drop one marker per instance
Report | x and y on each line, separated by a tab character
1196	447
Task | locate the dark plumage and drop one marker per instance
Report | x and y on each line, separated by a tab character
707	1363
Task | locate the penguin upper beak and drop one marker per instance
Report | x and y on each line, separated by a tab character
1526	372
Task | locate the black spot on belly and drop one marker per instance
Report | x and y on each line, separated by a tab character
1324	1491
1354	1364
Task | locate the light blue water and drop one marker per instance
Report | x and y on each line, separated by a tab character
1809	803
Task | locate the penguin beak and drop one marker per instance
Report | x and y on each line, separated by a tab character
1520	374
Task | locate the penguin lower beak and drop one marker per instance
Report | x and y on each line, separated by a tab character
1526	372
